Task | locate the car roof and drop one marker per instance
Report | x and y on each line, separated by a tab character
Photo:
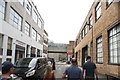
33	58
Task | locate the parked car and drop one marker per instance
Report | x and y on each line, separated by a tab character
31	68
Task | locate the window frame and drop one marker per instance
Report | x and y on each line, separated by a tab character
111	35
27	28
90	21
38	38
85	29
35	16
34	34
28	7
1	45
3	8
15	19
100	53
97	9
39	23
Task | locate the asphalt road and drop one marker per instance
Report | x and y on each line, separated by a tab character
60	68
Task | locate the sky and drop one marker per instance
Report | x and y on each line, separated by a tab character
63	18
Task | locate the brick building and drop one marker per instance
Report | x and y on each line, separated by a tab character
99	37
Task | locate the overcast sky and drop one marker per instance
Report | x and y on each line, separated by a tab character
63	18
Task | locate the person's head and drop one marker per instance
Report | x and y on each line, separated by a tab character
48	69
74	61
88	58
7	67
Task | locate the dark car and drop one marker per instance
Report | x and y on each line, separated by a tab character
31	68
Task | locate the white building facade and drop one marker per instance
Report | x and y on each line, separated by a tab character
21	30
45	44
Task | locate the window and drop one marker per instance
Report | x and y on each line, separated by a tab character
99	50
98	10
90	21
15	19
28	7
1	40
114	45
85	29
1	44
9	46
2	9
34	16
39	23
27	28
38	38
21	1
34	34
9	43
82	34
109	2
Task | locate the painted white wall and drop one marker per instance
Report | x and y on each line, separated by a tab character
14	33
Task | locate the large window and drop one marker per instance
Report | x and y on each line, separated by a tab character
15	19
34	16
90	21
34	34
114	45
27	28
98	10
2	9
99	50
28	7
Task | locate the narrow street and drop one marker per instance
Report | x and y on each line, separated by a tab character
60	68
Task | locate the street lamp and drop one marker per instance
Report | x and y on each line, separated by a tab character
92	42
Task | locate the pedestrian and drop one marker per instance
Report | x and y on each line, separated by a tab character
7	70
53	65
73	72
49	74
89	68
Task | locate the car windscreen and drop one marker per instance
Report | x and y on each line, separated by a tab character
26	62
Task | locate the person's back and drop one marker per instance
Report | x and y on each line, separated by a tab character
90	67
73	72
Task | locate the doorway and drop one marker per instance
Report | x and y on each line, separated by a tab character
19	52
84	54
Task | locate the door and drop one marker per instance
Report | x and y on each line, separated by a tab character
84	54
